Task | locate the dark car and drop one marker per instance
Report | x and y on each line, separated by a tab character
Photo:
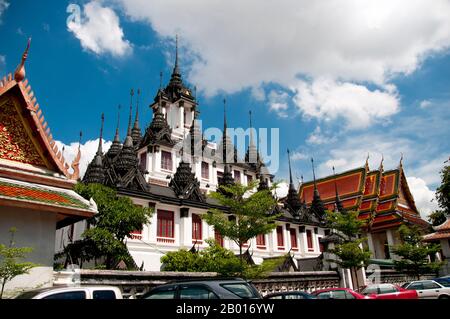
444	281
233	288
290	295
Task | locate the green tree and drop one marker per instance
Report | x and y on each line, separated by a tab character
215	258
438	217
413	253
251	213
443	191
117	217
349	252
10	267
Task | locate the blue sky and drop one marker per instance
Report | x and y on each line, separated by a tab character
339	79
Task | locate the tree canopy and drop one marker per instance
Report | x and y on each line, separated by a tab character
116	219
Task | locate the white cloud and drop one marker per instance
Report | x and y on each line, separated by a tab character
328	100
2	62
3	6
424	197
274	41
99	31
319	138
298	156
425	103
278	103
88	150
282	190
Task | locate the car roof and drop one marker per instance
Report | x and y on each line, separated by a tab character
64	287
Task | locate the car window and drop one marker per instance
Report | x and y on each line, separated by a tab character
196	292
416	286
339	294
242	290
443	282
405	285
348	295
430	285
103	294
166	293
68	295
387	289
370	290
28	295
324	295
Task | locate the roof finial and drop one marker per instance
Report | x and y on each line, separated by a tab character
176	69
100	142
401	161
367	159
79	141
160	79
314	173
131	111
117	137
290	170
19	74
381	163
136	121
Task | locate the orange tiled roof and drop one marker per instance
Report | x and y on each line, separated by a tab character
42	195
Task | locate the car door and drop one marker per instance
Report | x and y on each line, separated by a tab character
431	289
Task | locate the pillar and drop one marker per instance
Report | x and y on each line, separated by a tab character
391	242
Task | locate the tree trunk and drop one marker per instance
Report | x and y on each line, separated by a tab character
241	259
3	287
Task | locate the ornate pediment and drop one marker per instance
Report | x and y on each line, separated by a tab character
185	184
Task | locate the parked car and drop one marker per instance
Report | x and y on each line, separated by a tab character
444	281
388	291
73	293
429	289
233	288
290	295
338	293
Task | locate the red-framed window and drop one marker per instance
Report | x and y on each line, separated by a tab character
143	161
205	170
237	177
321	247
218	237
196	228
261	241
294	242
165	224
166	161
309	240
280	239
249	179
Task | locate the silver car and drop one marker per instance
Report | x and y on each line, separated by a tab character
73	293
429	289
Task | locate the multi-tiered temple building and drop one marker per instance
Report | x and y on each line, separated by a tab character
172	168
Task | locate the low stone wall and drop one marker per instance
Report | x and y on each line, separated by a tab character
394	277
135	283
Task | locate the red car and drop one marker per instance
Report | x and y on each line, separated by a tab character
338	293
388	291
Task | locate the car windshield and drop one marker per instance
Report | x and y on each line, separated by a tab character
242	290
28	295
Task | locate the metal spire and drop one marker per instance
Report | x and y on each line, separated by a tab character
100	142
291	183
314	174
117	136
131	111
136	121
